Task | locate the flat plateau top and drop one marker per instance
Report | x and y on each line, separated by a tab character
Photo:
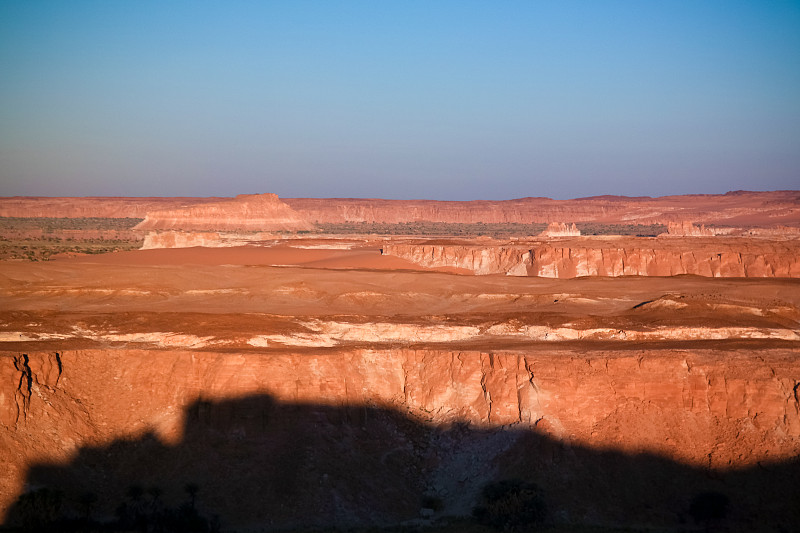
301	299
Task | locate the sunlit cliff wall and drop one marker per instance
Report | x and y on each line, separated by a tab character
653	257
703	409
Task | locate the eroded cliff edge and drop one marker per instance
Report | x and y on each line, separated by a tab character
369	395
259	212
437	422
737	208
570	258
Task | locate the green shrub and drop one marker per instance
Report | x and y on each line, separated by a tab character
511	505
40	509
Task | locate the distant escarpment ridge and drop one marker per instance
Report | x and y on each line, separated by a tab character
734	208
92	206
245	212
267	212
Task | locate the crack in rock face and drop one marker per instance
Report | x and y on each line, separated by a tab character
24	387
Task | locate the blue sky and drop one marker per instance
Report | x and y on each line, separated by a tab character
431	99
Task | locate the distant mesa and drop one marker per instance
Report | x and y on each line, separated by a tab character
742	209
250	212
560	229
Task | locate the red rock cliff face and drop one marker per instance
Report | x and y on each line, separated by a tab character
598	257
742	208
579	395
560	229
724	260
708	408
245	212
481	260
687	229
736	209
188	239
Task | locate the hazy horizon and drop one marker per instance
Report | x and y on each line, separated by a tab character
409	199
416	100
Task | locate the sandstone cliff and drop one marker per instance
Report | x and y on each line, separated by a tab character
687	229
208	239
481	260
600	257
252	212
560	229
180	239
325	432
741	209
740	259
737	208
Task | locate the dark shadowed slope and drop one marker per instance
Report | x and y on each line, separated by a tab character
257	463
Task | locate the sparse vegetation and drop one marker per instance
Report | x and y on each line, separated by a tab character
37	239
432	502
465	525
53	225
191	489
432	229
631	230
48	510
40	509
511	505
497	231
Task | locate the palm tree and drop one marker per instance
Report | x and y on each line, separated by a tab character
135	493
191	489
87	500
155	493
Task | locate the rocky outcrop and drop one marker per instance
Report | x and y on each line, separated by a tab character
560	229
253	212
180	239
778	232
481	260
207	239
724	261
441	386
598	257
687	229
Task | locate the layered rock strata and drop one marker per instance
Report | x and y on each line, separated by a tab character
735	208
301	417
312	397
741	209
207	239
599	257
477	259
253	212
560	229
687	229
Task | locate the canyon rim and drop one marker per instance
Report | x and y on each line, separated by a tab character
323	363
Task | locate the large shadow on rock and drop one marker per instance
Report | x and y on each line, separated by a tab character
258	464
